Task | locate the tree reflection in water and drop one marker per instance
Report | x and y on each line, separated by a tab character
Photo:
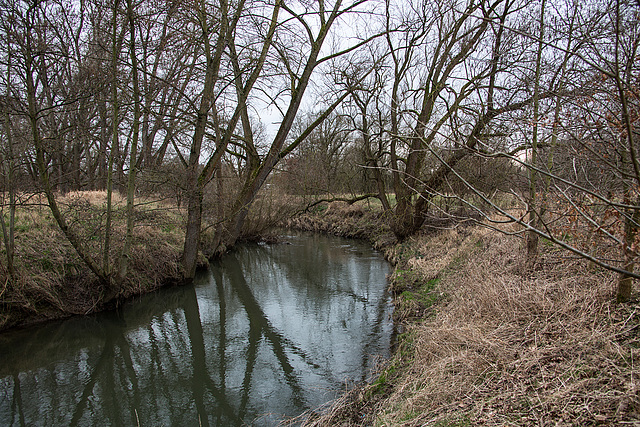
268	332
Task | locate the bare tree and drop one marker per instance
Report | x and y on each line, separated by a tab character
583	103
290	50
34	38
369	114
453	101
316	164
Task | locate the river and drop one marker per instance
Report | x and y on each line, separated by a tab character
268	332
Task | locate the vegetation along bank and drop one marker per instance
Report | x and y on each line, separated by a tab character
140	138
484	340
48	279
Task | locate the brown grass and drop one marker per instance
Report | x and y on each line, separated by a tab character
352	221
51	281
505	346
95	197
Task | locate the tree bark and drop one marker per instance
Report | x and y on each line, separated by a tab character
131	181
195	183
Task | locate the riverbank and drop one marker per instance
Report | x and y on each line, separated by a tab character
50	280
482	340
486	342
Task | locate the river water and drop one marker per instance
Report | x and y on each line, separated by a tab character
268	332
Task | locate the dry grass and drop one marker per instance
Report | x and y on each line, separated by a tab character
95	197
352	221
505	347
50	279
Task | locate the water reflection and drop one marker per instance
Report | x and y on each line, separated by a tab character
268	332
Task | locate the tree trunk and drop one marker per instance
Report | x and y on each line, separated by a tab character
535	218
195	181
8	231
131	181
625	282
192	235
632	219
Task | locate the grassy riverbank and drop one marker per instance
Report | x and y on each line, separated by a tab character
51	281
484	341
